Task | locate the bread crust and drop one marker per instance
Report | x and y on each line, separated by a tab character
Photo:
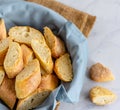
27	54
101	96
55	44
100	73
13	62
49	82
3	33
28	79
7	92
33	100
2	74
63	68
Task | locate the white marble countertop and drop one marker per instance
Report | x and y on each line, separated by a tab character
104	47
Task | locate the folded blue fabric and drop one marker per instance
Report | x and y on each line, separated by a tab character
37	16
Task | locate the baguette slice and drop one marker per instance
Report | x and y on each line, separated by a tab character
7	92
28	79
24	34
13	62
33	100
2	74
43	72
100	73
101	96
49	82
43	53
63	68
3	33
4	45
27	54
55	44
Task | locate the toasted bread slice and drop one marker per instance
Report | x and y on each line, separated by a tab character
24	34
13	62
55	44
43	53
4	45
101	96
33	100
49	82
63	68
3	33
100	73
27	54
43	72
28	79
2	74
7	92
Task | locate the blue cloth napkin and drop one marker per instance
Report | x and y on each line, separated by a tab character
37	16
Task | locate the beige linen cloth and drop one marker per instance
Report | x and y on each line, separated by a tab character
82	20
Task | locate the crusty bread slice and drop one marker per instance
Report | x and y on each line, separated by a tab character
33	100
43	72
3	33
100	73
24	34
2	74
43	53
49	82
63	68
55	44
13	62
101	96
4	45
28	79
7	92
27	54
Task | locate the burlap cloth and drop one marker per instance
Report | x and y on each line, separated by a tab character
82	20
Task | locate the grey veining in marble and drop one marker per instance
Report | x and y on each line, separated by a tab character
104	47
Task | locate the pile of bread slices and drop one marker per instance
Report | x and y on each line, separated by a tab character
31	65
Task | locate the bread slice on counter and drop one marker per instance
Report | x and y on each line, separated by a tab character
100	73
27	54
3	33
55	44
4	45
101	96
43	53
7	92
33	100
24	34
13	62
2	74
28	79
63	68
49	82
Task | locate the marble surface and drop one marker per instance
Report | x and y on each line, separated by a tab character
104	47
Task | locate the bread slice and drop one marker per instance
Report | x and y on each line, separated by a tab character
4	45
100	73
28	79
27	54
13	62
43	72
3	33
33	100
49	82
2	74
63	68
101	96
24	34
7	92
43	53
55	44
